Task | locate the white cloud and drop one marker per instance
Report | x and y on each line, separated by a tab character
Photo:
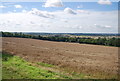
17	6
53	3
83	11
69	10
44	14
24	11
41	21
77	27
102	26
2	6
107	26
64	20
104	2
75	12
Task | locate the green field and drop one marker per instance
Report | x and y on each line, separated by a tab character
15	67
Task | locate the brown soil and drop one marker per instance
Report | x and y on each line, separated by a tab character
73	56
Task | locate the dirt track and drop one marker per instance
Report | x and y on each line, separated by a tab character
78	57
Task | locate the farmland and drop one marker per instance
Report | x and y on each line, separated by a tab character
73	60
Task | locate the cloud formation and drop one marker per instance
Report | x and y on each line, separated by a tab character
44	14
1	6
102	26
60	21
104	2
17	6
82	11
53	3
69	10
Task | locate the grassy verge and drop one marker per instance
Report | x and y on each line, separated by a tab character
15	67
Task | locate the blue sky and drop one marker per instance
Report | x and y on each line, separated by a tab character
60	17
85	6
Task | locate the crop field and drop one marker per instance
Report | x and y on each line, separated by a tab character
40	59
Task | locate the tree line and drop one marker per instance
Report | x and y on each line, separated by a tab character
99	41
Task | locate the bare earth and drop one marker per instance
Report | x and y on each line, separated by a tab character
76	57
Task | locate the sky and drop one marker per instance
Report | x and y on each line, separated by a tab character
56	16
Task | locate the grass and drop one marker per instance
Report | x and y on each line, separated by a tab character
45	64
15	67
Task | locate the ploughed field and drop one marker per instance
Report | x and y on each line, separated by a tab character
96	60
